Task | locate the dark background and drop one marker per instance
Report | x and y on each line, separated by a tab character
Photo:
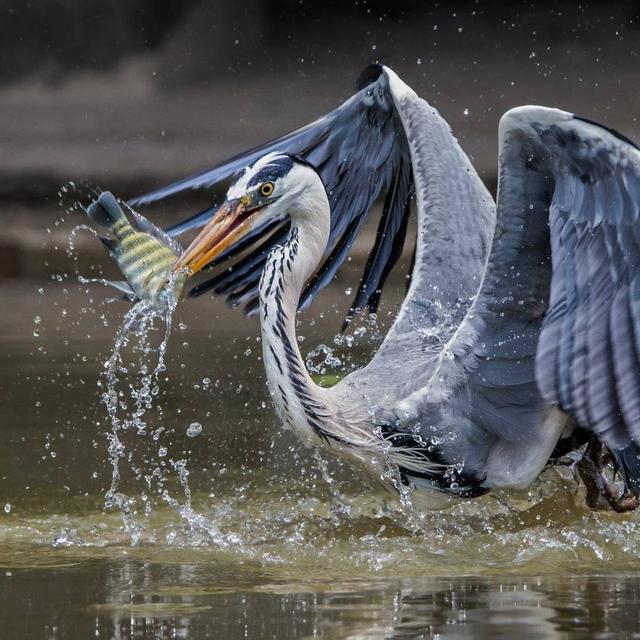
131	95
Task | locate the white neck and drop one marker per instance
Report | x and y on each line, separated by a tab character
298	400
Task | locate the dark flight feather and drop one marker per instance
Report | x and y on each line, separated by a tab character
361	153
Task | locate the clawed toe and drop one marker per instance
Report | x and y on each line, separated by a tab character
624	501
602	494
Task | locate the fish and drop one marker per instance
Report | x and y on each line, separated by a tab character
144	253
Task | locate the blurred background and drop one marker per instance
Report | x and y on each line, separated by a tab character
131	95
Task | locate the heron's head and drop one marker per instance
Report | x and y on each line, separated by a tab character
276	186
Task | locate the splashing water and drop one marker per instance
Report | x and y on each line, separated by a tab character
340	507
139	441
128	408
144	474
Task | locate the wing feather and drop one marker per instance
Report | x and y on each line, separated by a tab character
359	150
625	360
587	360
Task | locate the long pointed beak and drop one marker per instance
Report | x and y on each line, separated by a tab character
229	223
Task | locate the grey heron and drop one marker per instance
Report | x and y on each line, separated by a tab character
520	323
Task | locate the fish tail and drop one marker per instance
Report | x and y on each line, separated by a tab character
106	212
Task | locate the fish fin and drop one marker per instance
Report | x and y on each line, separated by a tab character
147	226
111	245
123	298
106	211
123	286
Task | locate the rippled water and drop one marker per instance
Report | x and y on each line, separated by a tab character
263	545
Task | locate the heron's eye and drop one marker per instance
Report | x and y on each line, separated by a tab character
266	189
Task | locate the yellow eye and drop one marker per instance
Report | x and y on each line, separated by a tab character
266	189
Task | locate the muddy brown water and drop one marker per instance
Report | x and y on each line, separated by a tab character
269	545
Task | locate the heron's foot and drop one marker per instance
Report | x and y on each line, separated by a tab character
601	493
627	501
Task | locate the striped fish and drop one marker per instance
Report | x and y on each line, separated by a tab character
145	254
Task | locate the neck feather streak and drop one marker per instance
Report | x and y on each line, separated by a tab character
299	401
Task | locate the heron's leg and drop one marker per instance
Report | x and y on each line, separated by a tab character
601	494
590	470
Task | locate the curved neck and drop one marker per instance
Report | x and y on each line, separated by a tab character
299	401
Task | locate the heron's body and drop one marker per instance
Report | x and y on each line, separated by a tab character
518	319
347	416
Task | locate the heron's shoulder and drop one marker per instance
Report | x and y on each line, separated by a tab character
566	132
529	118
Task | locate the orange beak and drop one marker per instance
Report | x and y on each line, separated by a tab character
229	223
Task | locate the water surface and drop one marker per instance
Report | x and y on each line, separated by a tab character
263	540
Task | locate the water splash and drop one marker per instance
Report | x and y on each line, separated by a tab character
200	529
340	507
128	406
144	474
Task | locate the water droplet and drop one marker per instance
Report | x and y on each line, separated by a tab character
195	429
162	452
7	507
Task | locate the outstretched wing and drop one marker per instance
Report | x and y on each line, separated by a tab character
361	152
563	283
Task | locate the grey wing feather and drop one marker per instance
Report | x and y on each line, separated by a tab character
556	322
585	312
451	249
